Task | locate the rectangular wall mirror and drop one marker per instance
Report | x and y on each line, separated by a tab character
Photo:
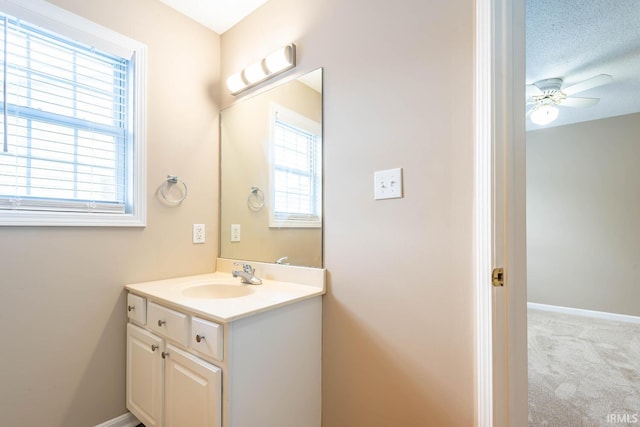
271	174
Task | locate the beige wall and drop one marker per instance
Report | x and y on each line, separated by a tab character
62	316
398	317
583	215
244	133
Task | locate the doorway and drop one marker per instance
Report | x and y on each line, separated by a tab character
582	212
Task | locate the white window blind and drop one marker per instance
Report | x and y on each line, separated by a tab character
64	121
296	170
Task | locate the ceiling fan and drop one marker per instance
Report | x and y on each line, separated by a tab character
546	95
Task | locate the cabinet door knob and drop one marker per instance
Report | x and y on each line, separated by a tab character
199	337
154	347
131	307
161	322
165	354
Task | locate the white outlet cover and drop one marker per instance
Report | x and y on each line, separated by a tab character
388	184
198	233
235	232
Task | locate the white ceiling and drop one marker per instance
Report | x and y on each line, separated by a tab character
218	15
578	39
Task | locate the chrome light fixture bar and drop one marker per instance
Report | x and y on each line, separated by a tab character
275	63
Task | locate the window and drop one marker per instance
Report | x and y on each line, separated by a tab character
296	164
73	141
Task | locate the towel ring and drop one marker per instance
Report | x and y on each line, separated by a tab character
256	199
167	184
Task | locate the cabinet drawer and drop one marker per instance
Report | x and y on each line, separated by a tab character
206	338
137	308
169	323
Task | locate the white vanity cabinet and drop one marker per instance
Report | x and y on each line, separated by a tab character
166	384
258	370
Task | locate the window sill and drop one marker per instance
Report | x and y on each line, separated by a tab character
71	219
295	224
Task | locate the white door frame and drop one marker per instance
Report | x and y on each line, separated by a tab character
500	227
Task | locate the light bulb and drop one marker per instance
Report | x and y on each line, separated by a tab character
254	72
235	83
544	114
279	60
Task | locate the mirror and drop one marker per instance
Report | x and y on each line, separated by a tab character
271	175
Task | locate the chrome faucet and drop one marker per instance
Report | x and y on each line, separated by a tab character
282	260
246	274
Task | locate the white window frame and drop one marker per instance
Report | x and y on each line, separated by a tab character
295	119
65	23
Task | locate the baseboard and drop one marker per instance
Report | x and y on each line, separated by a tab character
125	420
587	313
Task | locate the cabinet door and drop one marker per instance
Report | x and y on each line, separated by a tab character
192	391
144	375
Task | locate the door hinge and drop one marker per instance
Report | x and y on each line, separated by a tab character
497	277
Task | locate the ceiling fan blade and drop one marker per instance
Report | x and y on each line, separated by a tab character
595	81
531	90
579	102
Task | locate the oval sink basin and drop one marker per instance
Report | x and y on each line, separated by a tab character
217	291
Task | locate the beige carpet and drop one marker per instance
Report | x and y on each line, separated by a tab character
583	371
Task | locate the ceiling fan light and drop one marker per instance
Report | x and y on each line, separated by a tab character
544	114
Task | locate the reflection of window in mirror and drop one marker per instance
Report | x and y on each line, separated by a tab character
295	187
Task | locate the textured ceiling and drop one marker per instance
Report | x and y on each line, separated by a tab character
578	39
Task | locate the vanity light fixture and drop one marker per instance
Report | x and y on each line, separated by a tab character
273	64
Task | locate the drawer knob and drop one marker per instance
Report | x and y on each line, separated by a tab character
154	347
165	354
199	337
161	322
131	307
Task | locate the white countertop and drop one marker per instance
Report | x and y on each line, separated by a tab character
267	296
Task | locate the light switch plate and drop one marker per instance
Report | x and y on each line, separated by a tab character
235	232
388	184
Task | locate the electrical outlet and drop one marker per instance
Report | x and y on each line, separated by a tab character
388	184
235	232
198	233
